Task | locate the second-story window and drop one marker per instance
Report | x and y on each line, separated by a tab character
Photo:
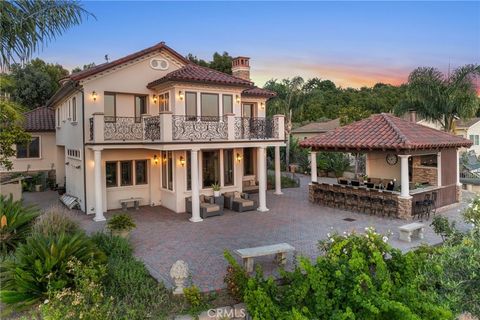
164	101
140	107
209	104
227	100
74	109
191	104
110	107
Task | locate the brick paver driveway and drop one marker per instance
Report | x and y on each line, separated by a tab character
162	236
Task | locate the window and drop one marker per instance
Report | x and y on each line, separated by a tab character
125	173
189	170
74	109
247	161
227	103
477	142
248	110
209	104
58	117
29	150
428	160
228	167
111	174
110	107
164	101
210	168
73	153
141	172
191	104
140	107
475	139
167	170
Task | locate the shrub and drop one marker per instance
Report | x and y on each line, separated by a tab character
54	221
443	227
334	162
15	222
286	182
41	264
358	277
121	222
471	214
195	300
236	278
85	300
113	246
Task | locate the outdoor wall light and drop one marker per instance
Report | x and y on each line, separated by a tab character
154	98
239	157
155	159
180	95
237	97
182	161
94	96
262	105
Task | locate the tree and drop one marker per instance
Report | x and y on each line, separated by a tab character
85	67
442	98
27	25
36	82
220	62
11	131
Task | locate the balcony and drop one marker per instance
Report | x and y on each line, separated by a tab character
167	127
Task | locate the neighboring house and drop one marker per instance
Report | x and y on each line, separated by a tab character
315	128
154	126
469	129
40	154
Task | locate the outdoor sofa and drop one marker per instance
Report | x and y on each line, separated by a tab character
208	208
238	201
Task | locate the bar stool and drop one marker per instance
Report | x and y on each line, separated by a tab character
365	201
351	198
329	196
377	203
339	197
390	204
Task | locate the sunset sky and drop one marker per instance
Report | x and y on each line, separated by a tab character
353	44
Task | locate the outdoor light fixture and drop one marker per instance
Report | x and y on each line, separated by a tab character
239	157
262	105
155	159
238	98
182	161
154	98
180	95
94	96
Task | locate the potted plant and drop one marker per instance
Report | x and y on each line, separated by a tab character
121	225
216	190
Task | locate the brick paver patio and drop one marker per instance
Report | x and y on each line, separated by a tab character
162	236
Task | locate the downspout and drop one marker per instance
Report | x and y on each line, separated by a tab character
84	161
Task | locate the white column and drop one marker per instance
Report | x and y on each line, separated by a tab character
278	174
262	181
97	157
313	166
405	192
195	189
439	169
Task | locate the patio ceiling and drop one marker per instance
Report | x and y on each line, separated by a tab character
381	132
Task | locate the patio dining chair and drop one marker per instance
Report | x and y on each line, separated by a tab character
431	203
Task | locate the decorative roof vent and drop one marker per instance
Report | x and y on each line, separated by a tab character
159	64
241	68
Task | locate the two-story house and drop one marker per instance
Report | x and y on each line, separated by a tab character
152	125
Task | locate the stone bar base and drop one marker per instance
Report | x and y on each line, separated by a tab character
405	208
311	193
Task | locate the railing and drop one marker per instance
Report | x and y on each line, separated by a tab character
195	128
91	128
152	128
123	128
468	177
255	128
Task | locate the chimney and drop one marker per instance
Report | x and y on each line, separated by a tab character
413	116
241	68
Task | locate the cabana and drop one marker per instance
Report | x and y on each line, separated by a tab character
407	164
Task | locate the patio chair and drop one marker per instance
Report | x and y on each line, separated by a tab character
431	203
355	183
239	202
207	207
370	185
419	209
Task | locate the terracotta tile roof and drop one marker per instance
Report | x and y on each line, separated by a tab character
195	73
102	67
39	119
384	132
319	127
258	92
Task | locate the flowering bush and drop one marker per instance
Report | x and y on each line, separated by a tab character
472	213
360	276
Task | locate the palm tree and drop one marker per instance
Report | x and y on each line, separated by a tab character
442	98
28	25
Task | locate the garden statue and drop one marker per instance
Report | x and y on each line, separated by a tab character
179	273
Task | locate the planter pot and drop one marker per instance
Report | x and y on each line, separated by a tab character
216	193
121	233
38	187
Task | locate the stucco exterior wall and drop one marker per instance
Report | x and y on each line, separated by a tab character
47	159
377	167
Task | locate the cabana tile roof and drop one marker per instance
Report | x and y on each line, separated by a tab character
384	132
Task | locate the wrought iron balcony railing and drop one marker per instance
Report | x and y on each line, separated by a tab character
195	128
255	128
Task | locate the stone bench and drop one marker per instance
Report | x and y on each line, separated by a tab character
248	254
411	230
125	202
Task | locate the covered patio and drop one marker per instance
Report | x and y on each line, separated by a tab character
410	169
